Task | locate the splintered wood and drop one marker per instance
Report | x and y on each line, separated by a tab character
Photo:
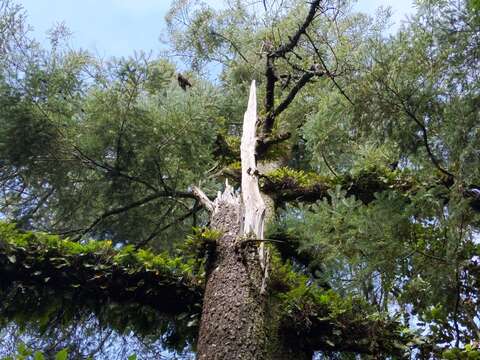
253	204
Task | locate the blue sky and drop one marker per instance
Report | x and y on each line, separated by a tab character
119	27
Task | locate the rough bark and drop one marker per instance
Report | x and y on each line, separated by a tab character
233	318
233	324
237	322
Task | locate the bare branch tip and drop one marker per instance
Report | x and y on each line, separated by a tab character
202	198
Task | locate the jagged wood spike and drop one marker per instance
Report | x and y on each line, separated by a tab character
253	203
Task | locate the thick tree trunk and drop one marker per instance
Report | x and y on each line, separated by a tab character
233	318
236	322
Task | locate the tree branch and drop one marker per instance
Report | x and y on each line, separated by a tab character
363	187
423	129
317	329
272	114
269	89
426	142
264	143
329	74
101	275
294	91
235	46
328	165
135	204
109	169
271	77
37	207
288	47
144	242
202	198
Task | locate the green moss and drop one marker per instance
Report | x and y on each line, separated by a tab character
40	244
380	173
235	166
333	319
283	278
45	277
470	352
233	143
288	183
277	151
227	148
13	238
373	175
298	178
196	243
296	292
197	249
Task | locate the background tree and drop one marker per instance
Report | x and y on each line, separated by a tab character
367	158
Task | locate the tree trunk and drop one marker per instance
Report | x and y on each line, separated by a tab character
233	318
236	322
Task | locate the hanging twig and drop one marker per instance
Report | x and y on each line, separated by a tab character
329	74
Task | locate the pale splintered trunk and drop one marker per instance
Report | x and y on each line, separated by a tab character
236	322
233	318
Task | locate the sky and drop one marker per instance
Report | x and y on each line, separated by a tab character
120	27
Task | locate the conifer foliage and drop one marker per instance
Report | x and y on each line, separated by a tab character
366	158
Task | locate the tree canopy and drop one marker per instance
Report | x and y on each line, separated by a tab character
368	149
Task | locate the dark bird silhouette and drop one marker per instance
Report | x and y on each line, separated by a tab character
393	166
473	194
183	82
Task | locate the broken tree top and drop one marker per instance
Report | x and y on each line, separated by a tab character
252	200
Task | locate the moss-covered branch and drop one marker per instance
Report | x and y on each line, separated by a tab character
321	320
287	184
316	319
42	274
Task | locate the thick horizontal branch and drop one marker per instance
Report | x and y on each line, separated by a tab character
317	328
316	319
286	184
40	262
